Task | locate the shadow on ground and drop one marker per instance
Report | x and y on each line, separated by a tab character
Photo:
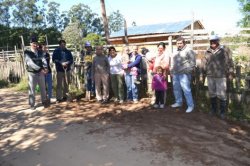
189	139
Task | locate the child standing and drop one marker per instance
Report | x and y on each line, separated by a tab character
159	85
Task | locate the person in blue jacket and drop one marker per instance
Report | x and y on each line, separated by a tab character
132	71
63	60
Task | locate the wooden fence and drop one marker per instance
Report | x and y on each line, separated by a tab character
11	65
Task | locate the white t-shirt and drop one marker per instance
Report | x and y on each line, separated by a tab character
116	64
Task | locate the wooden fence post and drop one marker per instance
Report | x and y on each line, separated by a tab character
238	77
3	55
170	44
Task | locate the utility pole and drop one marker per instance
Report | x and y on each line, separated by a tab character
22	57
125	32
22	43
192	31
105	21
46	38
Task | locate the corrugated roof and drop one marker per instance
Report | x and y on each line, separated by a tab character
171	27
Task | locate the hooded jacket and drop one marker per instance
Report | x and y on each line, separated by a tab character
217	63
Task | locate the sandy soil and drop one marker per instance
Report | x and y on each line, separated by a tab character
85	133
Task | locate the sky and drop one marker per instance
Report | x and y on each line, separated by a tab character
220	16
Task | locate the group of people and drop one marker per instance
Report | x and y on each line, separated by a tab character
124	72
113	69
37	61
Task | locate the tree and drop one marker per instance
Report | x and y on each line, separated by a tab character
94	39
89	21
27	13
53	35
4	14
134	24
53	15
27	17
245	10
64	21
116	21
72	33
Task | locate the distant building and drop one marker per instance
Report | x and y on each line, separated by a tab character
164	32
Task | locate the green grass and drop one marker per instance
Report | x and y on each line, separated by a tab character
23	85
238	112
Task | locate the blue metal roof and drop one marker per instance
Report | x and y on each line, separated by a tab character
171	27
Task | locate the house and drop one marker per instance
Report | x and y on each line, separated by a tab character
164	32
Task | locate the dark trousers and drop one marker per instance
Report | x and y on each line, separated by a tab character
159	97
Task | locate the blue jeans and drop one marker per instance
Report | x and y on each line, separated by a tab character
181	82
132	89
48	82
89	83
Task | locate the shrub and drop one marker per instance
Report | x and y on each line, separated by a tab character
3	83
23	85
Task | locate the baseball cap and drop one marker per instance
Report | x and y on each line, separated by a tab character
87	44
33	39
214	37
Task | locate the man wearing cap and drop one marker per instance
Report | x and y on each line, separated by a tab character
88	60
63	59
217	65
36	66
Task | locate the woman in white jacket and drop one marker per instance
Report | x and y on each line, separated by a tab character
116	74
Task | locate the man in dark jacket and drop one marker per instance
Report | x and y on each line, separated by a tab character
217	65
36	66
63	59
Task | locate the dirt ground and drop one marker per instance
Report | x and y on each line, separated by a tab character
85	133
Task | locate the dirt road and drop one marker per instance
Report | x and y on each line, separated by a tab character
90	134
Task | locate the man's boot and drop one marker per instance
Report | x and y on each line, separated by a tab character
213	101
223	105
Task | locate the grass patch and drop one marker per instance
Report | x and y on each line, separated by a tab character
23	85
238	112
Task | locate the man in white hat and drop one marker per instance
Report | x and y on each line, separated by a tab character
217	65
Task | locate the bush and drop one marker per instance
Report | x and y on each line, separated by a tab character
4	84
238	112
23	85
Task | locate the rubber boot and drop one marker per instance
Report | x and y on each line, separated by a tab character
213	101
223	105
